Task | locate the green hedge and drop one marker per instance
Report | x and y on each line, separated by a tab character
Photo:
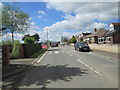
31	49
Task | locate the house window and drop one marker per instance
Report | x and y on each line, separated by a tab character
108	39
101	40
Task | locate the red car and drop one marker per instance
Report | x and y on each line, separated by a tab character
44	46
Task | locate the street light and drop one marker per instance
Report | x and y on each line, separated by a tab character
47	35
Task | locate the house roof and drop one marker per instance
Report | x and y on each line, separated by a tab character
99	33
110	33
115	23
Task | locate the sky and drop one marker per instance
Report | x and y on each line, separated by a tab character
66	18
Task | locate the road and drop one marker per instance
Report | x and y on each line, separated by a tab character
63	67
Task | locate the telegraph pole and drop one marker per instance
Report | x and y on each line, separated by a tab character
47	35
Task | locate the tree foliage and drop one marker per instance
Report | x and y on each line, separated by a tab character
73	39
31	39
14	20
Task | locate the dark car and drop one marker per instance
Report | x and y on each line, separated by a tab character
54	45
82	46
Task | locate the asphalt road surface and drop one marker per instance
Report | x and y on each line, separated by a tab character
63	67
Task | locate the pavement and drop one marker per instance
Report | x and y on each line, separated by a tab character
16	67
63	67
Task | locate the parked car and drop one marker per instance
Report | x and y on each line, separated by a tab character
44	46
54	44
81	46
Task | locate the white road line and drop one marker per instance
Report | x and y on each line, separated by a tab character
69	54
42	57
89	67
98	73
56	52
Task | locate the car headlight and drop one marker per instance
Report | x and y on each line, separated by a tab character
80	46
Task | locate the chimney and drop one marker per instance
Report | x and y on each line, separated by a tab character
95	30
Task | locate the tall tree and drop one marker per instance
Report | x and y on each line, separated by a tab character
31	39
36	36
14	20
73	39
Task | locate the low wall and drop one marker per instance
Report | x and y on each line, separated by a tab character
112	48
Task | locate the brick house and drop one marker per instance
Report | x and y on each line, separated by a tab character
112	36
97	37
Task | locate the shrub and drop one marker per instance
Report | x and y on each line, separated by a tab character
15	51
29	40
6	42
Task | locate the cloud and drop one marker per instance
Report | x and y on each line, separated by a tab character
41	18
99	25
32	23
42	12
81	17
33	26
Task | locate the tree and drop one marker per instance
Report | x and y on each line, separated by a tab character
36	36
31	39
28	40
14	20
73	39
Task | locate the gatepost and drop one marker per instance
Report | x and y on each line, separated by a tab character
5	55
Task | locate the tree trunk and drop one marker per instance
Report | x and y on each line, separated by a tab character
12	38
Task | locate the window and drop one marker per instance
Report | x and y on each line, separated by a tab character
101	40
108	39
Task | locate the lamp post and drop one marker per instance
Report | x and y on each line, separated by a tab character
47	35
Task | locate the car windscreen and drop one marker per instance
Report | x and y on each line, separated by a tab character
82	44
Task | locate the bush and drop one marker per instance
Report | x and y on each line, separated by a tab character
15	51
6	42
29	40
31	49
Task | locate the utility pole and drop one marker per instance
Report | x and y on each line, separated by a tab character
47	35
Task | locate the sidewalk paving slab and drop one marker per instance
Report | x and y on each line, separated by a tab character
16	66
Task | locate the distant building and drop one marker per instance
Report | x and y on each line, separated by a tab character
81	37
63	38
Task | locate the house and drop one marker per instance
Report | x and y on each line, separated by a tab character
82	36
112	36
97	37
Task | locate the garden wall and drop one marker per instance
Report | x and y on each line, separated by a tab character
112	48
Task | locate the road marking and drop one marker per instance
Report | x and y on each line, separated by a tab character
69	54
42	57
89	67
56	52
50	52
97	73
